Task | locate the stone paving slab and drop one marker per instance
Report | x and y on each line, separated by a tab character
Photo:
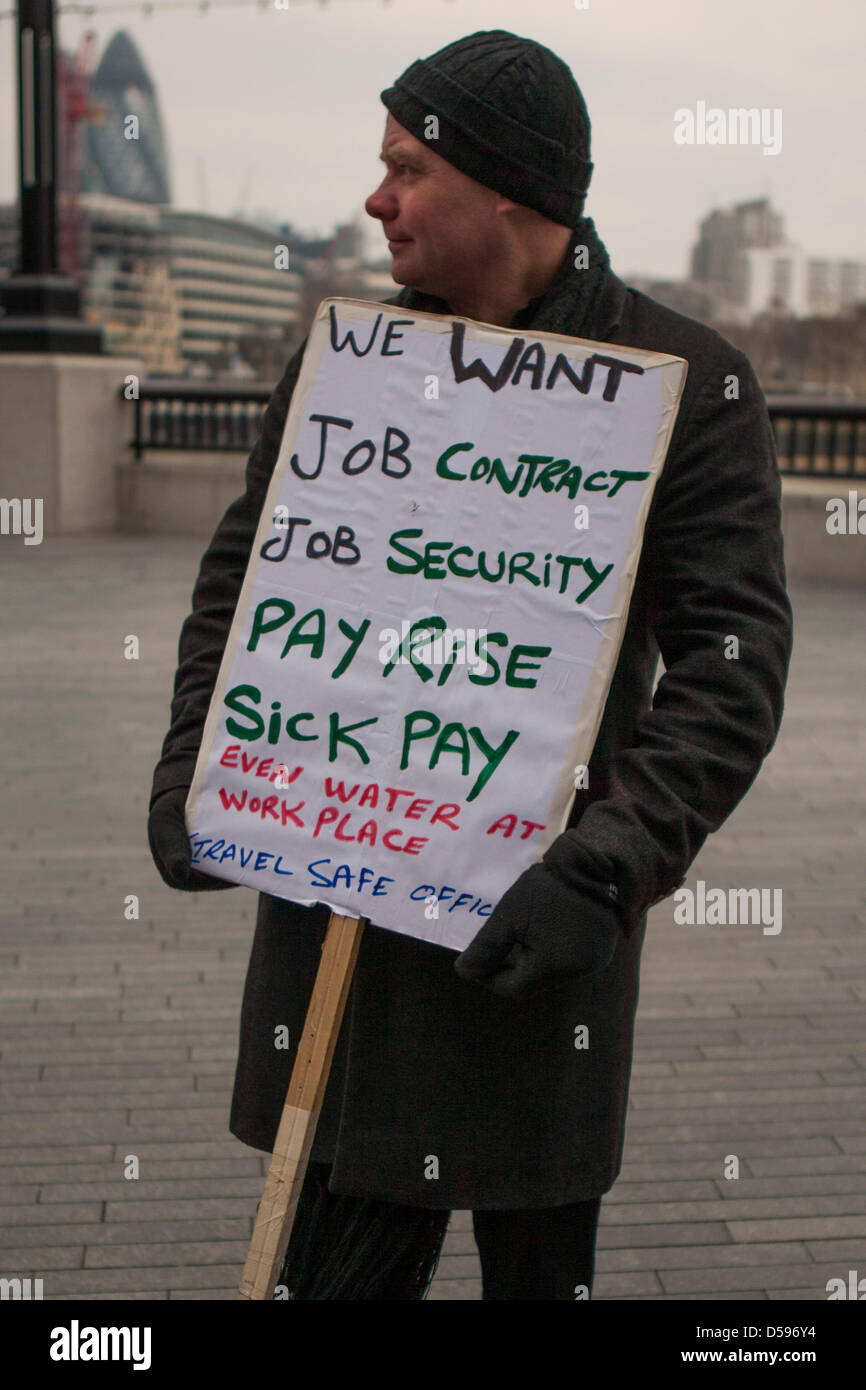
695	1257
842	1250
120	1037
138	1297
45	1258
87	1239
51	1176
808	1277
194	1254
126	1192
852	1143
735	1296
16	1219
161	1279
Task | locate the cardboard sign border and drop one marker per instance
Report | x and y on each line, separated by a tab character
588	718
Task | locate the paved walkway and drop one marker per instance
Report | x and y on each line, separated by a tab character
119	1036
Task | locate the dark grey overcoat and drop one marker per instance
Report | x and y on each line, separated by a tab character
427	1065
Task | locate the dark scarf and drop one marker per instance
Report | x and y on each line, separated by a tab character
571	301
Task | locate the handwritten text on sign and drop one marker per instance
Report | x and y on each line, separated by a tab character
431	616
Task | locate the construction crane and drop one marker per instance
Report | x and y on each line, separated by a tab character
75	111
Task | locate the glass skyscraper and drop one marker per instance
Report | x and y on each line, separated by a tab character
112	163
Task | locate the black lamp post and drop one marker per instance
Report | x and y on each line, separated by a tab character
42	307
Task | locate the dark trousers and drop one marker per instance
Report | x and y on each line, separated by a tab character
546	1253
352	1247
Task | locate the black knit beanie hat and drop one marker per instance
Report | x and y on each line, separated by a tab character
510	115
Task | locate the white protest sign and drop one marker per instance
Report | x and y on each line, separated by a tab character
431	616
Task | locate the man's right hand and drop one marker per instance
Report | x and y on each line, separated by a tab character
169	845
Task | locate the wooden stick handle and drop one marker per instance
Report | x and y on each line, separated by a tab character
304	1099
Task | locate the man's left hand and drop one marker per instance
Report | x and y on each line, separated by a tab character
542	933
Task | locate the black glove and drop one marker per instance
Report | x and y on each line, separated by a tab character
169	845
544	931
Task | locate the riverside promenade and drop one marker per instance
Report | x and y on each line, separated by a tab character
118	1037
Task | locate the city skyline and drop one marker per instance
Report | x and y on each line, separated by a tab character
247	152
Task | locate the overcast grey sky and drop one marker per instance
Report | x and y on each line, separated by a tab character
285	105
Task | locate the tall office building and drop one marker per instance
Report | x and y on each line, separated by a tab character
224	272
743	260
723	237
126	282
785	280
127	159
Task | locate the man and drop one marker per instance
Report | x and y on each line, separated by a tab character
457	1080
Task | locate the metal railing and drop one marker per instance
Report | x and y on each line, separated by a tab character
819	438
201	416
815	437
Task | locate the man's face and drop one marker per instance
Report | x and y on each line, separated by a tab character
440	224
